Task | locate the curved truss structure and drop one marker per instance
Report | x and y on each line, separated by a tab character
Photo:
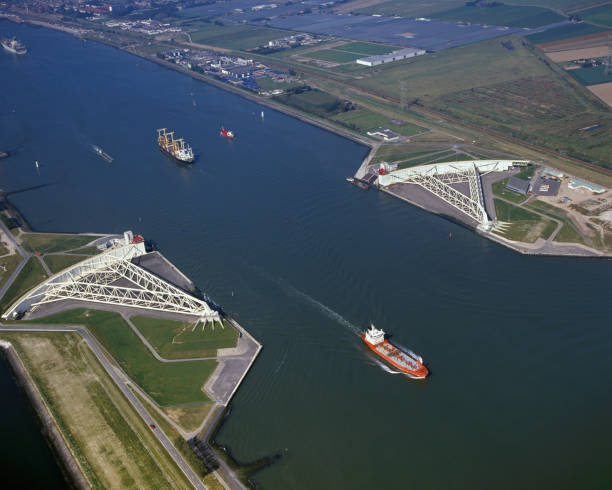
112	278
437	179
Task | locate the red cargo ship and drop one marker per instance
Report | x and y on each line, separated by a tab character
228	134
408	363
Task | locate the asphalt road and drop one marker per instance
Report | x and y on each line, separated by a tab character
122	382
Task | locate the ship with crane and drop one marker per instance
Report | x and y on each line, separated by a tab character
176	149
408	363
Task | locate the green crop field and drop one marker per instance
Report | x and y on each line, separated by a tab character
31	275
564	32
502	15
59	262
166	383
367	49
233	36
333	55
53	242
363	120
179	340
592	75
599	15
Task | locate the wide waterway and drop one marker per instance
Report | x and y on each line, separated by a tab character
518	347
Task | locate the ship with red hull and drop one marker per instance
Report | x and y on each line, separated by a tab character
407	363
227	133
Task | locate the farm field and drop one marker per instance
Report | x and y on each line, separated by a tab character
578	54
156	378
409	9
591	76
113	446
455	69
564	32
599	15
233	36
178	340
603	91
541	110
502	15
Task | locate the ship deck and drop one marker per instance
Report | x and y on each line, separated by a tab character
398	356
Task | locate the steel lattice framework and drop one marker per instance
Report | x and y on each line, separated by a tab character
111	278
437	179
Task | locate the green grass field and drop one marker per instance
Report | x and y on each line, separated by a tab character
363	120
178	340
599	15
59	262
568	233
31	275
591	76
234	36
564	32
499	189
113	446
366	49
53	242
525	226
502	15
457	69
166	383
7	266
333	56
312	101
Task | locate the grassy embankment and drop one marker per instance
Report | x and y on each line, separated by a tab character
568	233
499	187
111	443
524	226
7	265
183	447
183	340
47	243
31	275
59	262
167	383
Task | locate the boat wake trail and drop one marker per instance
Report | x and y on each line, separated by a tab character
386	368
328	312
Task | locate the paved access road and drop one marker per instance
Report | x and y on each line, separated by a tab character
121	381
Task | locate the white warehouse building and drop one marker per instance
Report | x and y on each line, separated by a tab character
400	54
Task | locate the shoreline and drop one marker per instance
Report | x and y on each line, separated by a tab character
64	458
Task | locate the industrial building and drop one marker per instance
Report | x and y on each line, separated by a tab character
400	54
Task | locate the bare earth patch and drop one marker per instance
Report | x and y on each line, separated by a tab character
603	91
578	54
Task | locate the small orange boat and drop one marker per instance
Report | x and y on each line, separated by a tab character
408	363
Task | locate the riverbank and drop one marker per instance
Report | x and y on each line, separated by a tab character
67	462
